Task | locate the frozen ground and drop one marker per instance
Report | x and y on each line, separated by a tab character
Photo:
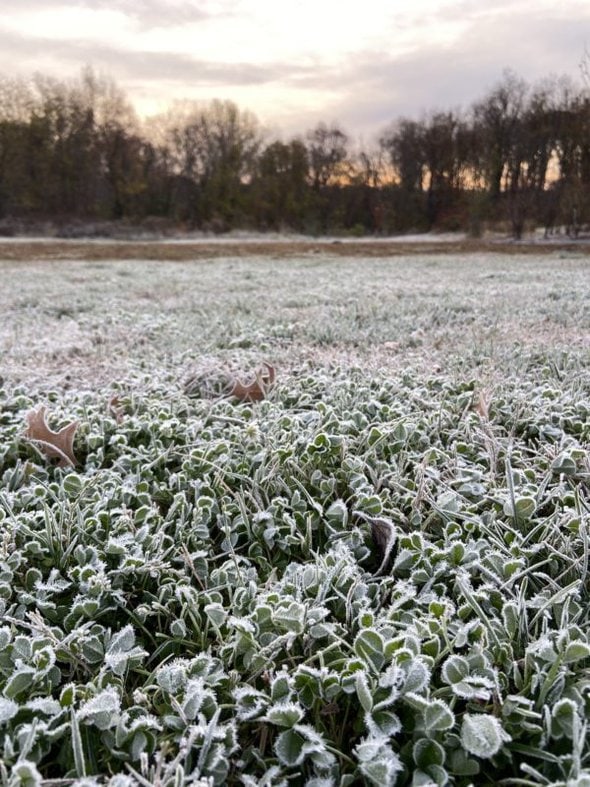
378	575
91	322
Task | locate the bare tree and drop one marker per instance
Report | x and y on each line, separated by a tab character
279	187
404	145
328	151
213	148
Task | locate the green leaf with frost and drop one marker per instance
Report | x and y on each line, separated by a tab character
363	691
25	774
564	719
20	681
427	752
285	714
521	509
45	705
216	614
250	703
379	765
290	617
576	651
438	716
383	722
417	676
296	744
121	651
455	669
482	735
369	646
5	637
474	687
8	710
103	710
172	677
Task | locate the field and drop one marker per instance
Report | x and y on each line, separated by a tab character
377	574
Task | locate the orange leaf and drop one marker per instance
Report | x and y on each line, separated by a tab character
55	445
258	388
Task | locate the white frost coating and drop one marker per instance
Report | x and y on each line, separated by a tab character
76	324
482	735
8	710
102	710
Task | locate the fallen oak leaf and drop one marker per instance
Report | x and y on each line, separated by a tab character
55	445
482	405
116	409
258	388
383	534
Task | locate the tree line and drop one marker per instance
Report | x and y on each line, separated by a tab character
74	150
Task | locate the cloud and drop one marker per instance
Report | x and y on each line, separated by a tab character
158	14
146	14
363	88
377	88
144	66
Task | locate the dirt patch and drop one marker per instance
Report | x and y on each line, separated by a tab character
23	251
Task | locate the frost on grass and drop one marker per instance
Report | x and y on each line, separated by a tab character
77	324
345	582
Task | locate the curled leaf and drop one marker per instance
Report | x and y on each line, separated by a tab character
55	445
256	390
383	534
482	405
115	408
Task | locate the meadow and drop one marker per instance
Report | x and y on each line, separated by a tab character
375	575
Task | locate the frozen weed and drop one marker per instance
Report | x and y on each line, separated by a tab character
374	575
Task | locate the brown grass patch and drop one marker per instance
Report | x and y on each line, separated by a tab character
24	251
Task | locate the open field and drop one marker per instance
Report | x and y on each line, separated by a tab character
376	575
102	317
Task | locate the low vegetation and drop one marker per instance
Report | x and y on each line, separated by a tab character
376	573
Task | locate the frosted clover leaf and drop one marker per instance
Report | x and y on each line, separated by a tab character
290	617
565	719
298	743
417	676
270	777
8	710
172	677
285	714
26	773
122	651
378	763
46	705
196	696
103	710
250	702
455	672
482	735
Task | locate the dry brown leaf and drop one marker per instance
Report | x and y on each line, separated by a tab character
482	405
258	388
384	537
116	409
55	445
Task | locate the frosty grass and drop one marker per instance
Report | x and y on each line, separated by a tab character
379	575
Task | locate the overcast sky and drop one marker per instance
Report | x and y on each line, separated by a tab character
360	63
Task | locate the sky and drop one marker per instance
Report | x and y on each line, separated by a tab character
295	63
